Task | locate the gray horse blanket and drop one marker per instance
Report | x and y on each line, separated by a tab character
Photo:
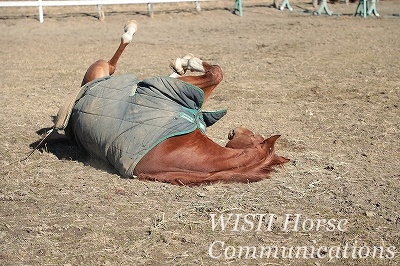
120	118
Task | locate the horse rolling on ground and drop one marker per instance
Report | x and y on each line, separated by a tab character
116	118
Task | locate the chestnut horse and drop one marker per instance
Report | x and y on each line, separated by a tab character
193	158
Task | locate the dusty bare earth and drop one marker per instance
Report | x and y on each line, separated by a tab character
328	84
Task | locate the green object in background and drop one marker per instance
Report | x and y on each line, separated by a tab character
372	9
323	6
362	8
286	3
238	7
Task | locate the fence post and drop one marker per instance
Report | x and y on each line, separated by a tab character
40	12
198	6
100	12
150	10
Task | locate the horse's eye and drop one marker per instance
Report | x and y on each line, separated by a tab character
231	134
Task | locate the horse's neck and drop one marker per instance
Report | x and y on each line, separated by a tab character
202	154
194	158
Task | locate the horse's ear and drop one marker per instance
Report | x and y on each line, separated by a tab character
271	140
269	143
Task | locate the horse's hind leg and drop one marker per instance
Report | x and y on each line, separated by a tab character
102	68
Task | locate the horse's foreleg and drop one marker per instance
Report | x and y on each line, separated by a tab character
102	68
208	81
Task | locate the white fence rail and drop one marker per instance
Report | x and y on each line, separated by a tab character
99	3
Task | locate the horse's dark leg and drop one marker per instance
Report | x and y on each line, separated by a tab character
208	81
102	68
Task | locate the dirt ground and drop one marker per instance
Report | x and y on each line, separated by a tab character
328	84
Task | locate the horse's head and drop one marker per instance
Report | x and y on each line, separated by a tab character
241	138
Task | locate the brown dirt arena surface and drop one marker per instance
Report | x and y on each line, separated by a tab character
328	84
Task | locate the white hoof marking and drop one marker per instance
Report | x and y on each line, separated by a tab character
130	29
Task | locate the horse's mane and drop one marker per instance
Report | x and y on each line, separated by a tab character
242	174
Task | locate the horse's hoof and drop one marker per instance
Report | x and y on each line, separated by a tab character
181	65
195	65
188	56
130	29
177	67
102	17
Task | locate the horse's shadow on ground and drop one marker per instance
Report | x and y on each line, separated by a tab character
59	145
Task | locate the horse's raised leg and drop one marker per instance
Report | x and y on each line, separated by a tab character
207	82
102	68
